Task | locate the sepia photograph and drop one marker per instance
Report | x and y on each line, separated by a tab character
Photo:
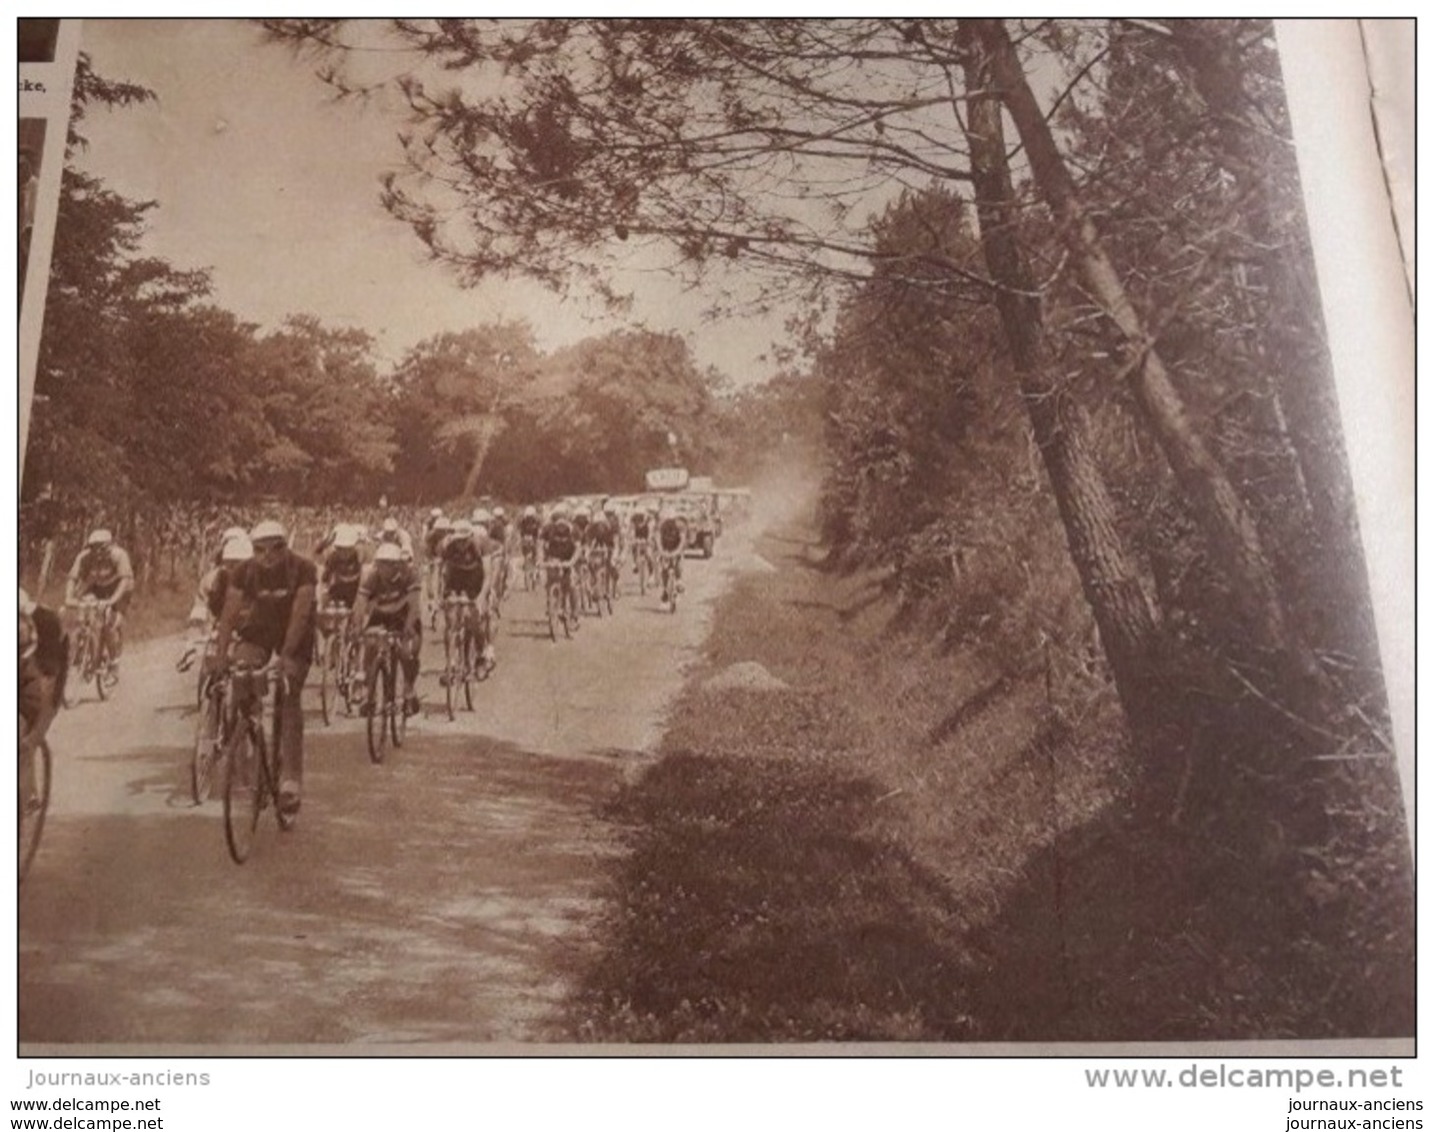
765	535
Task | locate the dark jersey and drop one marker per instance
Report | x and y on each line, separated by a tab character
529	526
670	535
641	524
342	567
389	591
599	533
560	541
498	528
270	592
463	561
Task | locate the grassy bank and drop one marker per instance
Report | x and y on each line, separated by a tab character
906	843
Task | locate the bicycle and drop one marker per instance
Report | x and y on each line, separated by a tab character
562	599
251	753
386	719
34	774
600	586
532	576
92	651
667	565
331	650
459	647
642	564
211	731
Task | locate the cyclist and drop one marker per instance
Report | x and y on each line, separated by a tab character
672	540
560	546
343	567
213	589
392	532
102	570
269	606
641	525
602	548
44	660
388	598
465	572
529	524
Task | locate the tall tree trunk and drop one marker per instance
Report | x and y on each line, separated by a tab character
483	443
1291	337
1226	522
1110	577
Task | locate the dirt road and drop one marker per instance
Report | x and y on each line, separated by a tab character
443	897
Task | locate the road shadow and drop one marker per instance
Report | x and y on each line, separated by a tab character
443	896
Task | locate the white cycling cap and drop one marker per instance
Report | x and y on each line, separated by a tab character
269	529
100	536
346	536
237	549
388	552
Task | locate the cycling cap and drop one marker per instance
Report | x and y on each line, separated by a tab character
232	532
530	511
346	537
498	512
388	552
482	515
390	526
436	513
463	527
268	529
237	549
99	537
443	523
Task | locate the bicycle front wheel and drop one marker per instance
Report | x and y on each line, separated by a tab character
34	802
328	675
452	659
244	786
396	711
380	687
206	752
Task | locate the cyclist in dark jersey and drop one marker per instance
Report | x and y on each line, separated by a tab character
269	607
388	598
343	567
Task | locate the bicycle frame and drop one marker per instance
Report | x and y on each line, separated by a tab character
251	752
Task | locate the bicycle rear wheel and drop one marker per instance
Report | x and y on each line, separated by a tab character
244	784
328	676
397	709
208	746
451	672
377	706
34	802
471	659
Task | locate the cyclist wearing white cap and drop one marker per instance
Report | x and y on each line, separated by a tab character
102	571
209	602
342	567
270	608
392	532
388	598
